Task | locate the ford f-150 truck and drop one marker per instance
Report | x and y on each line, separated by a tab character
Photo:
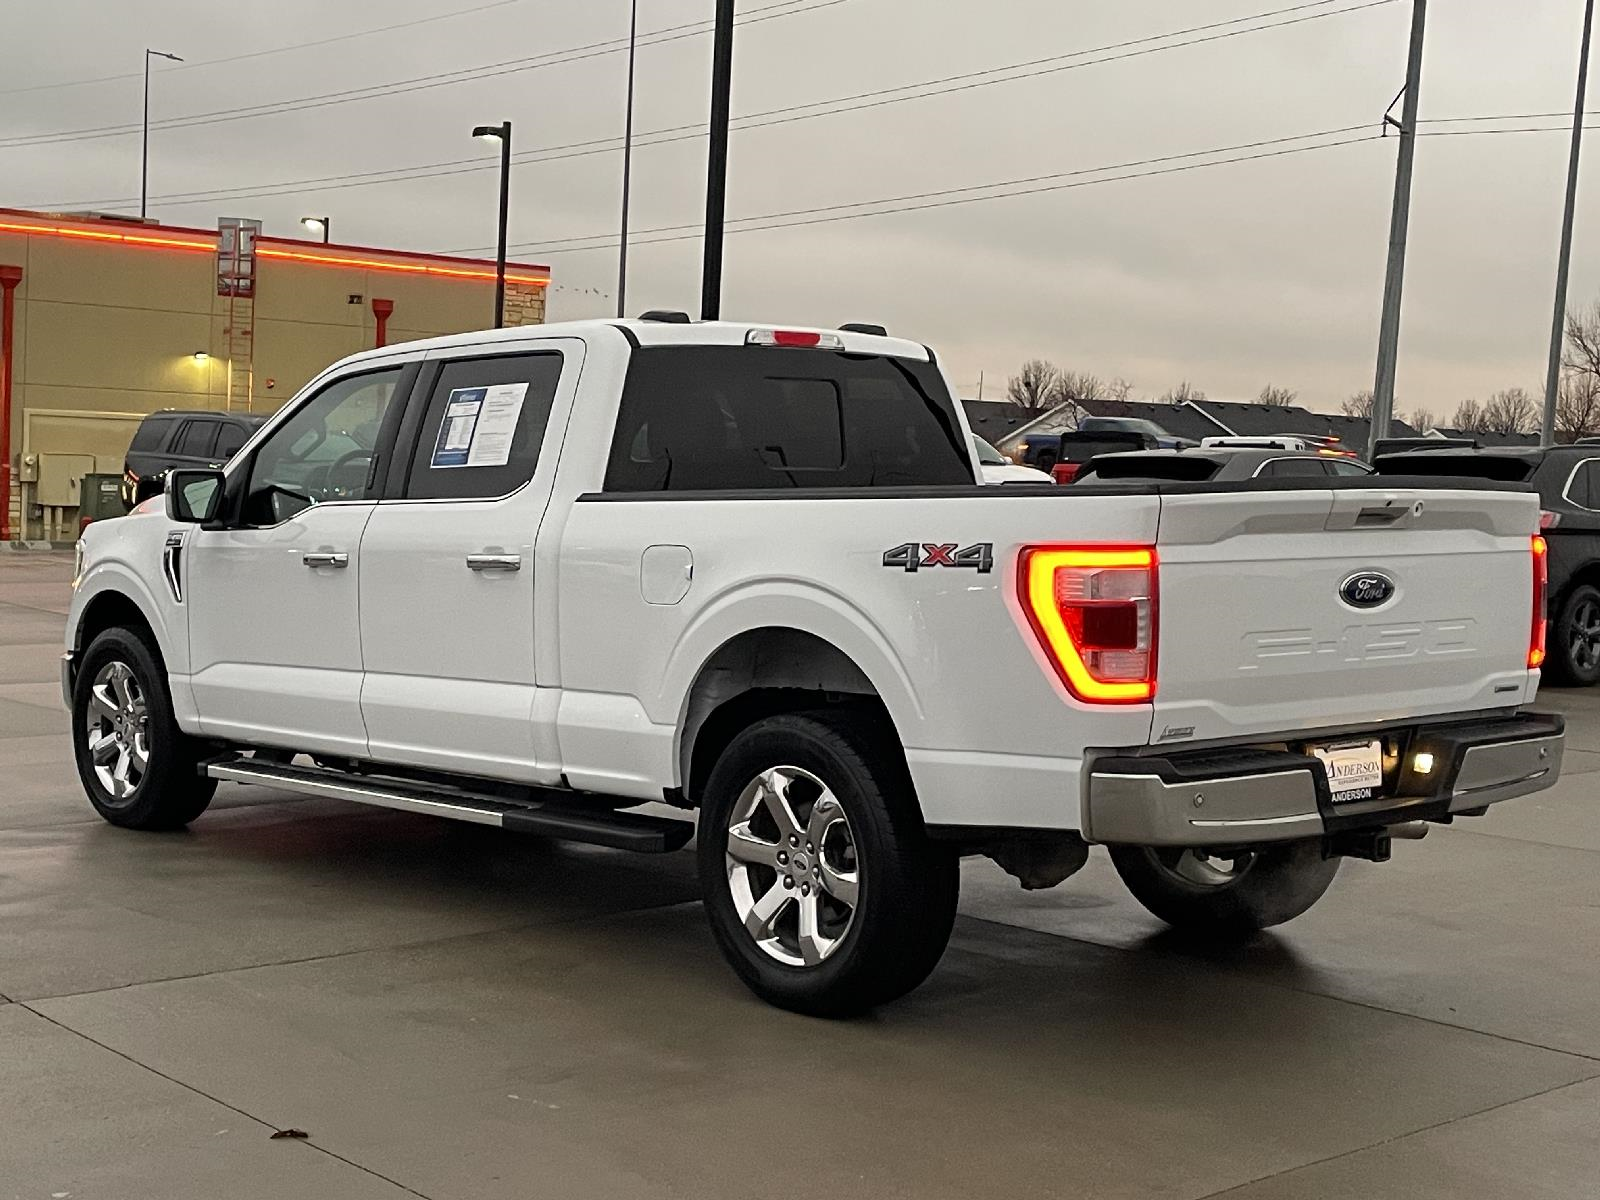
546	578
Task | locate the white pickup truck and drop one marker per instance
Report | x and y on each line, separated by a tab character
542	578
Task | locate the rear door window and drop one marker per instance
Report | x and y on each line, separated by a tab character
229	440
197	439
1584	490
483	426
722	418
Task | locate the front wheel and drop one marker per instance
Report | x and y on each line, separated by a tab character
1226	895
137	767
823	890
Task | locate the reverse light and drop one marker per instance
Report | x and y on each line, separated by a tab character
1541	581
794	337
1094	611
1422	763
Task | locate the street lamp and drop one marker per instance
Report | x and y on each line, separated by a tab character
500	133
318	224
144	156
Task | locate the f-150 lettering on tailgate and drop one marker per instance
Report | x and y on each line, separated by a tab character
1358	643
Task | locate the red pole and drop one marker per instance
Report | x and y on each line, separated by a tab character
380	312
9	278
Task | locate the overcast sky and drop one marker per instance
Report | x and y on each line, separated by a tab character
1229	276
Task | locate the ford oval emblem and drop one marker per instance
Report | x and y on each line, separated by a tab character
1366	589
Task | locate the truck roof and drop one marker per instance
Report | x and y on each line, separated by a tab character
655	333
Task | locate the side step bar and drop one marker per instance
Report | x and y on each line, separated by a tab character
557	818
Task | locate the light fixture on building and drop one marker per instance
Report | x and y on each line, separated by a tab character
201	357
322	225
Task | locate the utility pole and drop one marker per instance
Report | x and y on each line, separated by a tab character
717	162
1558	324
1399	220
627	166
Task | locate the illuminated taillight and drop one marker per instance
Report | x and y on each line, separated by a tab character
1094	611
1541	581
794	337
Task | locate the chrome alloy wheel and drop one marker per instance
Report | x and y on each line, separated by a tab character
118	730
1202	868
792	867
1583	636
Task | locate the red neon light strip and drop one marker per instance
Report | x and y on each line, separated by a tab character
102	235
372	264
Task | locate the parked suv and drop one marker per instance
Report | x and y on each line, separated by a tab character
180	439
1568	482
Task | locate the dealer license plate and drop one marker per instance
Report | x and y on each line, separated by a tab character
1355	771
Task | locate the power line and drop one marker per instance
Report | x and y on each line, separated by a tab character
789	113
976	187
1005	189
233	58
423	83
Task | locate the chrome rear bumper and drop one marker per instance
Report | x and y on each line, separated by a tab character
1244	795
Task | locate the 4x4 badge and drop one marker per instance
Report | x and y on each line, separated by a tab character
914	556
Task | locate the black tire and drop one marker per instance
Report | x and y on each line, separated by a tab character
169	791
1574	642
906	885
1266	887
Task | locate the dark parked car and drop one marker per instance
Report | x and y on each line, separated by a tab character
1061	455
170	439
1215	464
1568	481
1157	437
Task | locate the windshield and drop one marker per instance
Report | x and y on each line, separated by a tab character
987	454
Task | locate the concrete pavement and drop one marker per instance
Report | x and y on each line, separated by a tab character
453	1013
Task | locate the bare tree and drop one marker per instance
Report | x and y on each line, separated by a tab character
1578	406
1120	390
1582	350
1276	397
1421	419
1510	411
1185	392
1469	418
1359	405
1037	387
1080	385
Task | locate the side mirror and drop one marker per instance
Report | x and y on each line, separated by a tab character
194	497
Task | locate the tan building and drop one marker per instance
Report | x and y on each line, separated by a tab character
112	319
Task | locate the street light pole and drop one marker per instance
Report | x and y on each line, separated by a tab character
627	164
717	162
1558	324
502	134
144	154
1399	221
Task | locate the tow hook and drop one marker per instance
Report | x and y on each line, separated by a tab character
1372	844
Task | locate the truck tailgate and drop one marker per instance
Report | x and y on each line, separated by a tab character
1274	618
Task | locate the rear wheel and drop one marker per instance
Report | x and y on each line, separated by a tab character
137	767
1575	639
1227	895
823	890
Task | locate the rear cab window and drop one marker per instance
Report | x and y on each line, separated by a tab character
152	433
761	418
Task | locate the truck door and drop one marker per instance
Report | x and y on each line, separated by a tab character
448	572
274	644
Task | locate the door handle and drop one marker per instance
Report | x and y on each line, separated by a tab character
322	558
494	562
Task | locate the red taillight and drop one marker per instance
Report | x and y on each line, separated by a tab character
1065	472
1548	519
1093	609
1541	581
